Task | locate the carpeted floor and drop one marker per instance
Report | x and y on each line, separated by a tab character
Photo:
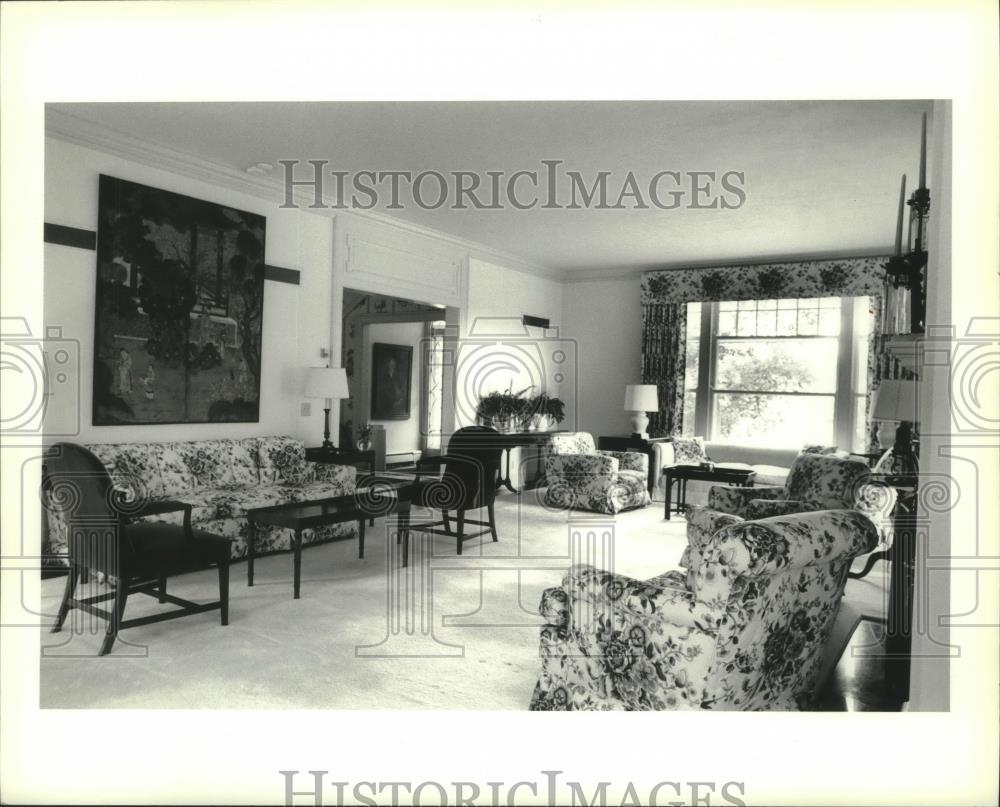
464	632
450	633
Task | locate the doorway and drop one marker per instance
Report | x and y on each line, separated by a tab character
393	350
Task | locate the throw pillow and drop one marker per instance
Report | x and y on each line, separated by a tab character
689	450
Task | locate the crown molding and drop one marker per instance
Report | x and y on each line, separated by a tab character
80	132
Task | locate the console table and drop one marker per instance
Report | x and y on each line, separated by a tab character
643	445
521	440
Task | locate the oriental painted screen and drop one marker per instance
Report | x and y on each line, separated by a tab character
180	295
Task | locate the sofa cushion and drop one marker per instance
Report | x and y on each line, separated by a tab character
175	474
770	474
281	459
217	463
572	443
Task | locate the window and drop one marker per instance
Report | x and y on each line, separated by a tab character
779	373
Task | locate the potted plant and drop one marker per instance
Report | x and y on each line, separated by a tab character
504	411
551	410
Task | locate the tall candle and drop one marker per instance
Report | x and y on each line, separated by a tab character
899	220
923	152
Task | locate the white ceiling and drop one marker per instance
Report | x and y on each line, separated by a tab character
822	178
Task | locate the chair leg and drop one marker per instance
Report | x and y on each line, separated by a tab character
162	588
121	595
446	520
71	578
493	521
224	591
84	575
460	532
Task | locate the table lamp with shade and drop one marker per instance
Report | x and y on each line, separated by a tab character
326	383
640	399
896	400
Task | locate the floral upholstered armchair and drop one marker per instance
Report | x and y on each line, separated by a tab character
744	628
581	477
815	482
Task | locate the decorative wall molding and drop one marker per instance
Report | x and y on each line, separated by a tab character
397	262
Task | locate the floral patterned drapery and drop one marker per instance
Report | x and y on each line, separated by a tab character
663	359
666	293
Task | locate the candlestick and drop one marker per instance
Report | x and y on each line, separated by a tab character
923	152
899	220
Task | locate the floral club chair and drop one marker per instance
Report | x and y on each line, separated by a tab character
581	477
743	629
816	481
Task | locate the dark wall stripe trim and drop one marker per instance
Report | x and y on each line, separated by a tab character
70	236
281	275
87	239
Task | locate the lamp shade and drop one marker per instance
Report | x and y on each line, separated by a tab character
326	382
896	400
641	398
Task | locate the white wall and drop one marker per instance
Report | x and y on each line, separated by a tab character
518	357
603	318
400	435
293	315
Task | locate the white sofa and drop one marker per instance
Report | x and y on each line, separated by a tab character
771	464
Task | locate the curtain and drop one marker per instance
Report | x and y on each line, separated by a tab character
433	365
663	357
666	293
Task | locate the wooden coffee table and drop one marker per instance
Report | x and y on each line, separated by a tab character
683	473
377	497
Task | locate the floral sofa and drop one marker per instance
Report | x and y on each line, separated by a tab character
815	482
579	476
744	628
222	480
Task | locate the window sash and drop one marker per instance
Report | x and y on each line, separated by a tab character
851	352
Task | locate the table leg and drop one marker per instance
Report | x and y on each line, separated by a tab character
298	562
403	529
251	534
361	537
668	481
505	479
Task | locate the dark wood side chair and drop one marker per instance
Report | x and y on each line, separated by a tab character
463	479
137	557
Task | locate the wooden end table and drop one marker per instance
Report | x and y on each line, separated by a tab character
378	497
682	474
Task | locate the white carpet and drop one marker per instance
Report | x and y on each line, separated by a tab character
464	632
476	649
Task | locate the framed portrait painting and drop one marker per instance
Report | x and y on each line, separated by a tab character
178	319
391	371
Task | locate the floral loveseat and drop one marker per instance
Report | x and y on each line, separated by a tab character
222	480
581	477
744	628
